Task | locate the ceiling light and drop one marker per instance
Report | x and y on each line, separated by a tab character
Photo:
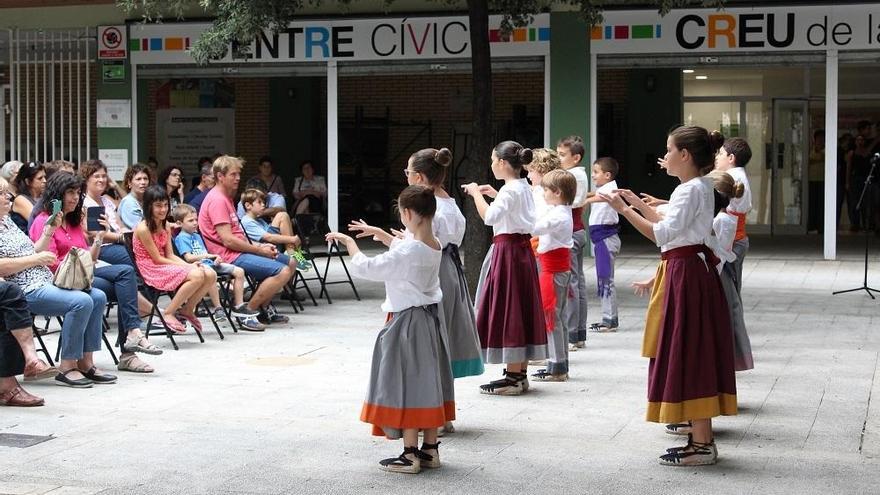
688	71
702	78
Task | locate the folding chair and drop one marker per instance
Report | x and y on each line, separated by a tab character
287	292
153	294
39	338
104	327
323	251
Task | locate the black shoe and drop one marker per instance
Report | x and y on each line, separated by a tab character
61	379
270	315
99	378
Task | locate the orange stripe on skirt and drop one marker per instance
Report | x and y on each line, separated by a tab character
412	417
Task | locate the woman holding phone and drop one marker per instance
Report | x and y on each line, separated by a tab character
117	281
97	204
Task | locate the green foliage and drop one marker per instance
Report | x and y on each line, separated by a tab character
241	20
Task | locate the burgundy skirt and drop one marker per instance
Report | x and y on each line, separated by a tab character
510	319
691	373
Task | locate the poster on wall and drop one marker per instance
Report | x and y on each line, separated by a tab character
183	135
116	161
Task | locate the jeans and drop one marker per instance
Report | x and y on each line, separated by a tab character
115	254
16	316
120	285
83	316
258	267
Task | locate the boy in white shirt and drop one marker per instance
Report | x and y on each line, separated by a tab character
571	152
606	242
553	229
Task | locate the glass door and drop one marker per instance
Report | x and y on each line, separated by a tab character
789	150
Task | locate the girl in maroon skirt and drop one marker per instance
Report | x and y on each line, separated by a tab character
510	318
688	337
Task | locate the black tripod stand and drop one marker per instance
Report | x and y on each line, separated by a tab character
864	286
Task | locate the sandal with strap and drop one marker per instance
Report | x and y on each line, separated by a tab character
191	319
511	384
672	450
543	375
174	326
695	454
679	428
408	462
429	454
141	344
131	362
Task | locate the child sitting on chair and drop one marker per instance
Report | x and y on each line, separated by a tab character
279	232
162	270
191	246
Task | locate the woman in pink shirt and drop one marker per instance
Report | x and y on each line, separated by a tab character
118	282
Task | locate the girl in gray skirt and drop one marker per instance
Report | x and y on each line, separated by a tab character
411	378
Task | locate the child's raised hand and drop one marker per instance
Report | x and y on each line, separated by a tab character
487	190
339	237
615	200
662	162
471	189
643	288
398	233
651	200
363	229
631	198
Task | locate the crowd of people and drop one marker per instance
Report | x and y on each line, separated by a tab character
179	244
531	301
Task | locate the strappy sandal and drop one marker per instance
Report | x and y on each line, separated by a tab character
130	362
429	455
543	376
174	326
141	344
408	462
679	428
695	454
511	384
190	318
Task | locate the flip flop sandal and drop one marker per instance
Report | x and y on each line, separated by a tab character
175	326
190	318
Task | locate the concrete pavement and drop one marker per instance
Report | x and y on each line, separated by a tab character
278	412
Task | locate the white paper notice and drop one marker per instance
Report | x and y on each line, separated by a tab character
114	113
116	162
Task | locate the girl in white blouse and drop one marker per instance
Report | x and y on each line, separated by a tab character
411	378
688	335
510	319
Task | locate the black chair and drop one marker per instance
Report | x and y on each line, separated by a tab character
39	332
226	296
153	294
316	248
287	292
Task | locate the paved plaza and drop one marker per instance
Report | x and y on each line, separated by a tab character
278	412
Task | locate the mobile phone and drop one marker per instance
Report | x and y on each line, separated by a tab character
56	210
93	214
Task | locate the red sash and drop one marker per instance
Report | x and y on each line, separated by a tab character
552	262
740	225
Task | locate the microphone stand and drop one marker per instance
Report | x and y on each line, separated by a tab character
868	181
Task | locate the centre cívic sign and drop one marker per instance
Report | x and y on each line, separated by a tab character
410	38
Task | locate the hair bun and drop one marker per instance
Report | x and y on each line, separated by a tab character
716	140
525	156
443	157
739	189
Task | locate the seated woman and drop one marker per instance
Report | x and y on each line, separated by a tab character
24	264
117	281
29	185
171	179
97	184
309	190
137	178
266	172
162	269
16	318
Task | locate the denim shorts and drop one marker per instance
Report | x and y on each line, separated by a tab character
259	267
